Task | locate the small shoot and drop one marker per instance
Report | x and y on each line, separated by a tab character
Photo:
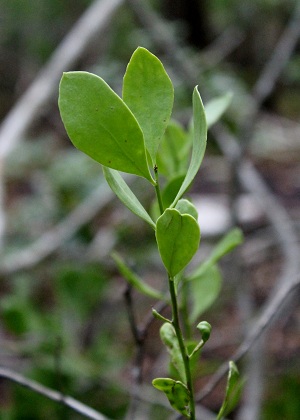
205	329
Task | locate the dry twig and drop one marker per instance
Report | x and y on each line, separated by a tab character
70	402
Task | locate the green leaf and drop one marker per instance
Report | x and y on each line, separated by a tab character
215	108
171	189
149	93
173	154
168	337
178	238
230	241
125	194
204	291
135	280
186	207
232	388
101	125
199	144
176	392
205	330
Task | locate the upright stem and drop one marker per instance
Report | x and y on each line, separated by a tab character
183	350
175	318
157	190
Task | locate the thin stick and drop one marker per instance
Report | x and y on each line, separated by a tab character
70	402
55	237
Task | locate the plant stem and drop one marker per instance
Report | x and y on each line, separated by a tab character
175	318
157	190
184	311
183	350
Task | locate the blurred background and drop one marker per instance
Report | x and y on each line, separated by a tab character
63	317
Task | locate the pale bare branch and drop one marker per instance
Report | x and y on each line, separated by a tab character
34	386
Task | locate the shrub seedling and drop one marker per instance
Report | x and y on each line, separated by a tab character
135	135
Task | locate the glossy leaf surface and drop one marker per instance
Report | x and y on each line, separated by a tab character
100	124
178	238
149	93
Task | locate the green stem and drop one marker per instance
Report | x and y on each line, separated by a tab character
157	190
175	318
184	311
183	350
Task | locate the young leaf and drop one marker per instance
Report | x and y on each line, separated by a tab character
171	189
124	193
168	337
205	329
173	154
178	238
216	107
232	388
176	392
100	124
233	238
135	280
149	93
204	291
186	207
199	144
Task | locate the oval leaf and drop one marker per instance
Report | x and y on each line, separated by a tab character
149	93
100	124
178	238
199	144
